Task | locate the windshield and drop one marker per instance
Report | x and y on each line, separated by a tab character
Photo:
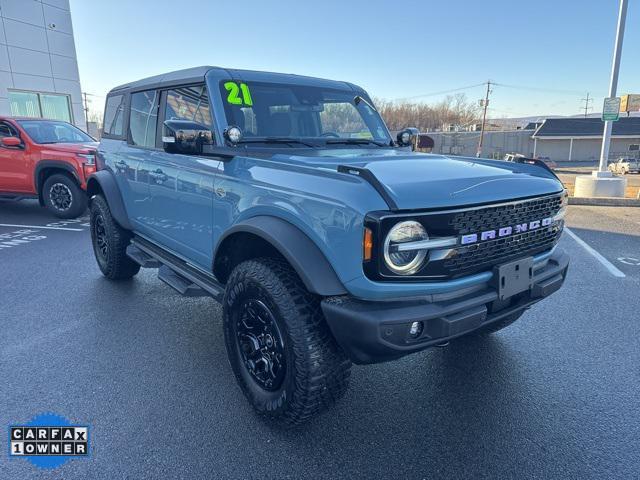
46	131
317	115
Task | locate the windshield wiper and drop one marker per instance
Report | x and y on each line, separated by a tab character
356	141
280	140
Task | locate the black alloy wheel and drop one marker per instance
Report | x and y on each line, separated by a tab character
261	345
100	235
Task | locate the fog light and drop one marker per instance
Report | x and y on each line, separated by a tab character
415	330
233	134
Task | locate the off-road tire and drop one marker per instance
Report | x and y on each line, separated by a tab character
499	325
317	370
60	182
111	255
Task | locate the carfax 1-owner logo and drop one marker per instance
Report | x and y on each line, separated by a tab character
48	440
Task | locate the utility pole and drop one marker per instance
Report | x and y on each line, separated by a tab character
483	103
613	85
86	110
586	107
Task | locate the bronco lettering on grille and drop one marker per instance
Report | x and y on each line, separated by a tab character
504	231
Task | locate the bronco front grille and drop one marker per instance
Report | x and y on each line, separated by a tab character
478	256
474	257
503	215
474	252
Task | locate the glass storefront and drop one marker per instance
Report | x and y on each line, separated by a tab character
40	105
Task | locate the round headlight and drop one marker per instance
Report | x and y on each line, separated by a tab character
404	262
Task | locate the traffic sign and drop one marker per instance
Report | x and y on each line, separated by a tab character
611	109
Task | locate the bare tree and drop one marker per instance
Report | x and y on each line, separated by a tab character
453	109
95	116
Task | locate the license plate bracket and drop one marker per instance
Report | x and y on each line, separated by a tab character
513	277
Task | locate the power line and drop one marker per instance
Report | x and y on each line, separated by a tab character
539	89
442	92
495	84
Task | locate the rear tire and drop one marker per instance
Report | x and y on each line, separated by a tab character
282	353
110	243
498	325
63	196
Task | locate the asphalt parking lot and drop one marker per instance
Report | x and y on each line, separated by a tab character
554	396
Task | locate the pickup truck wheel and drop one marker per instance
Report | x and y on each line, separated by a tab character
110	242
63	197
499	325
281	351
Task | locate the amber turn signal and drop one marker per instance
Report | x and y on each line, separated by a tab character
367	244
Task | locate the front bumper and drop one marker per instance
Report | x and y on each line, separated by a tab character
371	332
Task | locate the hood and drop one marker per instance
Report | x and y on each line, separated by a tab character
418	181
71	147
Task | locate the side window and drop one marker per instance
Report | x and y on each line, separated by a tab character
189	103
114	115
7	130
143	119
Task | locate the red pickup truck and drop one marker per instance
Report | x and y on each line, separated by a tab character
46	159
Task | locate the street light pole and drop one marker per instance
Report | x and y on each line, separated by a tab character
613	86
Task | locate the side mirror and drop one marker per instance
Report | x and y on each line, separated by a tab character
13	142
185	136
406	137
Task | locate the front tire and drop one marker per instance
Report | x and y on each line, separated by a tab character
110	242
63	196
282	353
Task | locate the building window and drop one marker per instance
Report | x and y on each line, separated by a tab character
40	105
24	104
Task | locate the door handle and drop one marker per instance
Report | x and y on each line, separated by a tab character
120	164
158	175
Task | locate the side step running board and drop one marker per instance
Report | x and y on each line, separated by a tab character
142	258
174	271
180	284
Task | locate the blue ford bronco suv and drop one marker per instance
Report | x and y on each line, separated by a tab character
327	242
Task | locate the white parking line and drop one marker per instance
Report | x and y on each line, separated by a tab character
38	227
608	265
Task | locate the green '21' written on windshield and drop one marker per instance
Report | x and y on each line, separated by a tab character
238	94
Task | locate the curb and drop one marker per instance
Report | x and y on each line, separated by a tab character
605	201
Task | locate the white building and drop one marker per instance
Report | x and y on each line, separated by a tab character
38	67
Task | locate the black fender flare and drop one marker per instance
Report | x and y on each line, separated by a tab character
42	164
104	181
297	248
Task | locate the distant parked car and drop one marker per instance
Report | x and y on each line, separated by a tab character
625	165
512	157
46	159
540	161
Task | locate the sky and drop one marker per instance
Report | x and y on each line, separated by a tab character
543	55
